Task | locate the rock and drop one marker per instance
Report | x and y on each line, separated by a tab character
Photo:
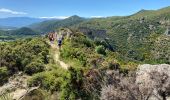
18	93
142	20
16	86
154	81
167	31
151	27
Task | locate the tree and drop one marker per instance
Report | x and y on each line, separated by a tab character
100	50
34	67
3	75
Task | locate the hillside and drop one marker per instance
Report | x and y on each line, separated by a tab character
35	58
130	34
47	26
19	33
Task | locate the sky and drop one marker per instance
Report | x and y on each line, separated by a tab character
84	8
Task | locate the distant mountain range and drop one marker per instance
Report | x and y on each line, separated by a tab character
19	21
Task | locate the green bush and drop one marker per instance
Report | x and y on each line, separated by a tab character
114	65
100	50
18	55
34	67
50	80
3	75
72	88
45	80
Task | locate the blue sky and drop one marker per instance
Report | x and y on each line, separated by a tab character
83	8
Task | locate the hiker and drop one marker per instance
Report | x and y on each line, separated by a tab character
59	42
50	37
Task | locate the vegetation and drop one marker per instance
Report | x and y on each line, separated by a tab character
27	55
102	53
11	35
3	75
23	31
100	50
129	35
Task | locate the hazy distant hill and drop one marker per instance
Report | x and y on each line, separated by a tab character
19	21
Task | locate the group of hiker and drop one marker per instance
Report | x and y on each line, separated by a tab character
54	36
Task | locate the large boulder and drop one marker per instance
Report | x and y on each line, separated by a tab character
154	81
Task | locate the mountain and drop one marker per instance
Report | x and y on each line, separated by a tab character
19	21
135	36
50	25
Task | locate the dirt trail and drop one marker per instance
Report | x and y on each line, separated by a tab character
56	56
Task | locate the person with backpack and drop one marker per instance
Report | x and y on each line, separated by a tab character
59	42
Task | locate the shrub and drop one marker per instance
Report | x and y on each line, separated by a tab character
3	75
34	67
100	50
45	80
113	65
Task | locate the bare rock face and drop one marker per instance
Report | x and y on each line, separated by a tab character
16	86
154	81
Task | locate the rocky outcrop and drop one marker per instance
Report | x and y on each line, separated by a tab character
154	81
16	86
93	33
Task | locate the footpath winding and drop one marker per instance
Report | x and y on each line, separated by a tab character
56	56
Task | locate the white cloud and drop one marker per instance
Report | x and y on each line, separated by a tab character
96	16
4	10
55	17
